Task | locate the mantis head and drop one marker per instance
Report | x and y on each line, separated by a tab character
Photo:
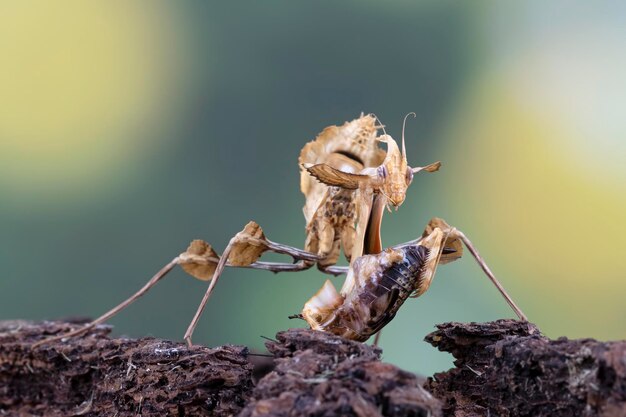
393	176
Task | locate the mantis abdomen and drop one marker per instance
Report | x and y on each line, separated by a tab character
383	282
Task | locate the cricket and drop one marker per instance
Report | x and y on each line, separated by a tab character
348	181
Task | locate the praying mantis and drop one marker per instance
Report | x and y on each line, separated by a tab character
348	181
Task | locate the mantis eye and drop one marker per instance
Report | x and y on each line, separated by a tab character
409	175
382	172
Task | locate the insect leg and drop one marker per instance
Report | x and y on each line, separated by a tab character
490	275
277	266
216	276
270	266
297	267
334	270
295	253
445	239
377	338
156	278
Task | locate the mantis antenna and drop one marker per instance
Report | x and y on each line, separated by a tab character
403	126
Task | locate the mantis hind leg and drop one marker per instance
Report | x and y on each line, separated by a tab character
483	265
445	241
198	261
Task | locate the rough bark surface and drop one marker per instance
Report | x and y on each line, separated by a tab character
319	374
507	368
503	368
98	376
314	374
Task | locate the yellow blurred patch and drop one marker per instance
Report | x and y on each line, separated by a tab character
556	223
80	86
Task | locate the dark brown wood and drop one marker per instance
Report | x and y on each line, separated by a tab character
508	368
97	376
503	368
319	374
306	373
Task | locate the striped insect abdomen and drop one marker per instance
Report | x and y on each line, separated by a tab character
383	283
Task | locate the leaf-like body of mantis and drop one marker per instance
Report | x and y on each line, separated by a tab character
249	245
348	181
199	260
453	249
330	211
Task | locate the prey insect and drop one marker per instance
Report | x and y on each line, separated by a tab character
348	182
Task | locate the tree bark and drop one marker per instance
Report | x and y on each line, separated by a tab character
507	368
503	368
97	376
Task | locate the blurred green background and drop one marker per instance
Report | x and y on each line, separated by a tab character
129	128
